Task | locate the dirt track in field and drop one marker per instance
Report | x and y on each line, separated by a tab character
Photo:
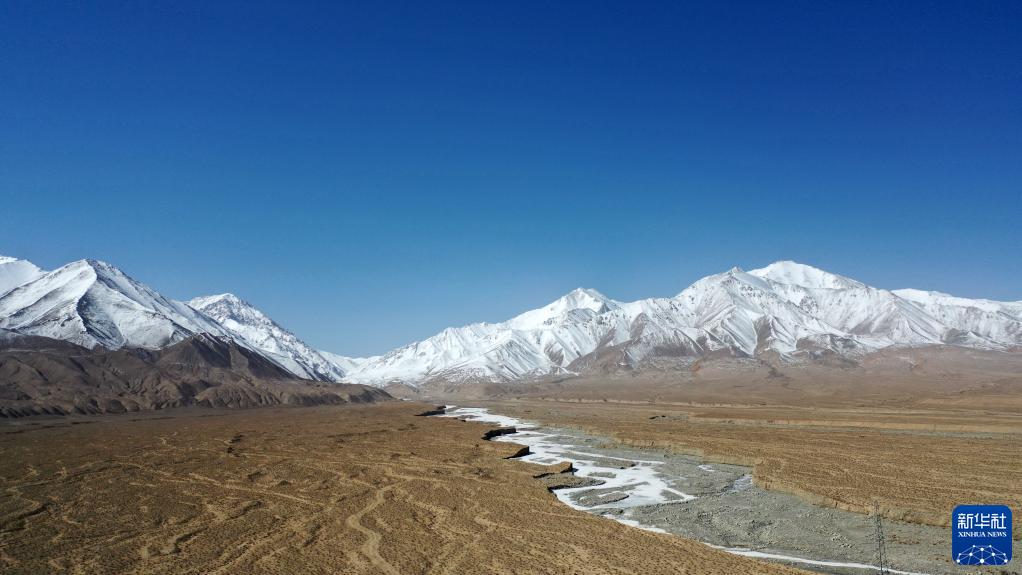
371	489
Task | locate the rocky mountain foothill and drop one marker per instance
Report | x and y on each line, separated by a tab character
45	376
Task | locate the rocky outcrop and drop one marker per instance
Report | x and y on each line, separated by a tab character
498	432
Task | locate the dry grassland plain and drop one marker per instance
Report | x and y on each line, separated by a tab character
347	490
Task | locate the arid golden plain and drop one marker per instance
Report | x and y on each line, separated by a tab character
373	489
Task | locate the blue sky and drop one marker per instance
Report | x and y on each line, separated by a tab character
371	174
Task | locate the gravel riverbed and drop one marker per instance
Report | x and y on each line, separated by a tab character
719	505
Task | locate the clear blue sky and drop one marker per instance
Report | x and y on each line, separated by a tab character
371	174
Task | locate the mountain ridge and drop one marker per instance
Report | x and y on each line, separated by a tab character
248	323
90	303
788	311
794	311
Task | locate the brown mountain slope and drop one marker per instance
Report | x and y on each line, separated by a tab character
43	376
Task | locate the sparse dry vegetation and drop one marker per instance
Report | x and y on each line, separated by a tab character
356	489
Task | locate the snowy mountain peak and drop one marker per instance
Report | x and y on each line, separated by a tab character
226	306
91	303
576	299
794	273
247	323
787	310
15	273
97	266
735	278
225	299
94	270
584	298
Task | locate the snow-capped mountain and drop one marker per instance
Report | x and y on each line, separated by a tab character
343	362
537	342
246	322
876	318
791	311
92	303
785	311
15	272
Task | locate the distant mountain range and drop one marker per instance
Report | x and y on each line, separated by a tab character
92	303
785	312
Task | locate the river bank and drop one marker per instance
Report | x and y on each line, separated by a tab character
717	504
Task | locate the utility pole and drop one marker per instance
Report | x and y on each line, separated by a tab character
878	535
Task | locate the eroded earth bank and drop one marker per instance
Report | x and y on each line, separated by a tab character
714	503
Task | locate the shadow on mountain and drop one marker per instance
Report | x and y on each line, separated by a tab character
42	376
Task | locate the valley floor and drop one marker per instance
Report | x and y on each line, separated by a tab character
919	464
352	489
379	489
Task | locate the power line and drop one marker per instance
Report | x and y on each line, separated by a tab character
878	535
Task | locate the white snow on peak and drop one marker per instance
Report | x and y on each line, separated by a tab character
15	273
793	273
244	321
794	311
227	298
91	303
535	343
578	299
790	309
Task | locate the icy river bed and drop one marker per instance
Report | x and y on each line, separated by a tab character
719	505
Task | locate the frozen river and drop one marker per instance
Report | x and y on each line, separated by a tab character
718	505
